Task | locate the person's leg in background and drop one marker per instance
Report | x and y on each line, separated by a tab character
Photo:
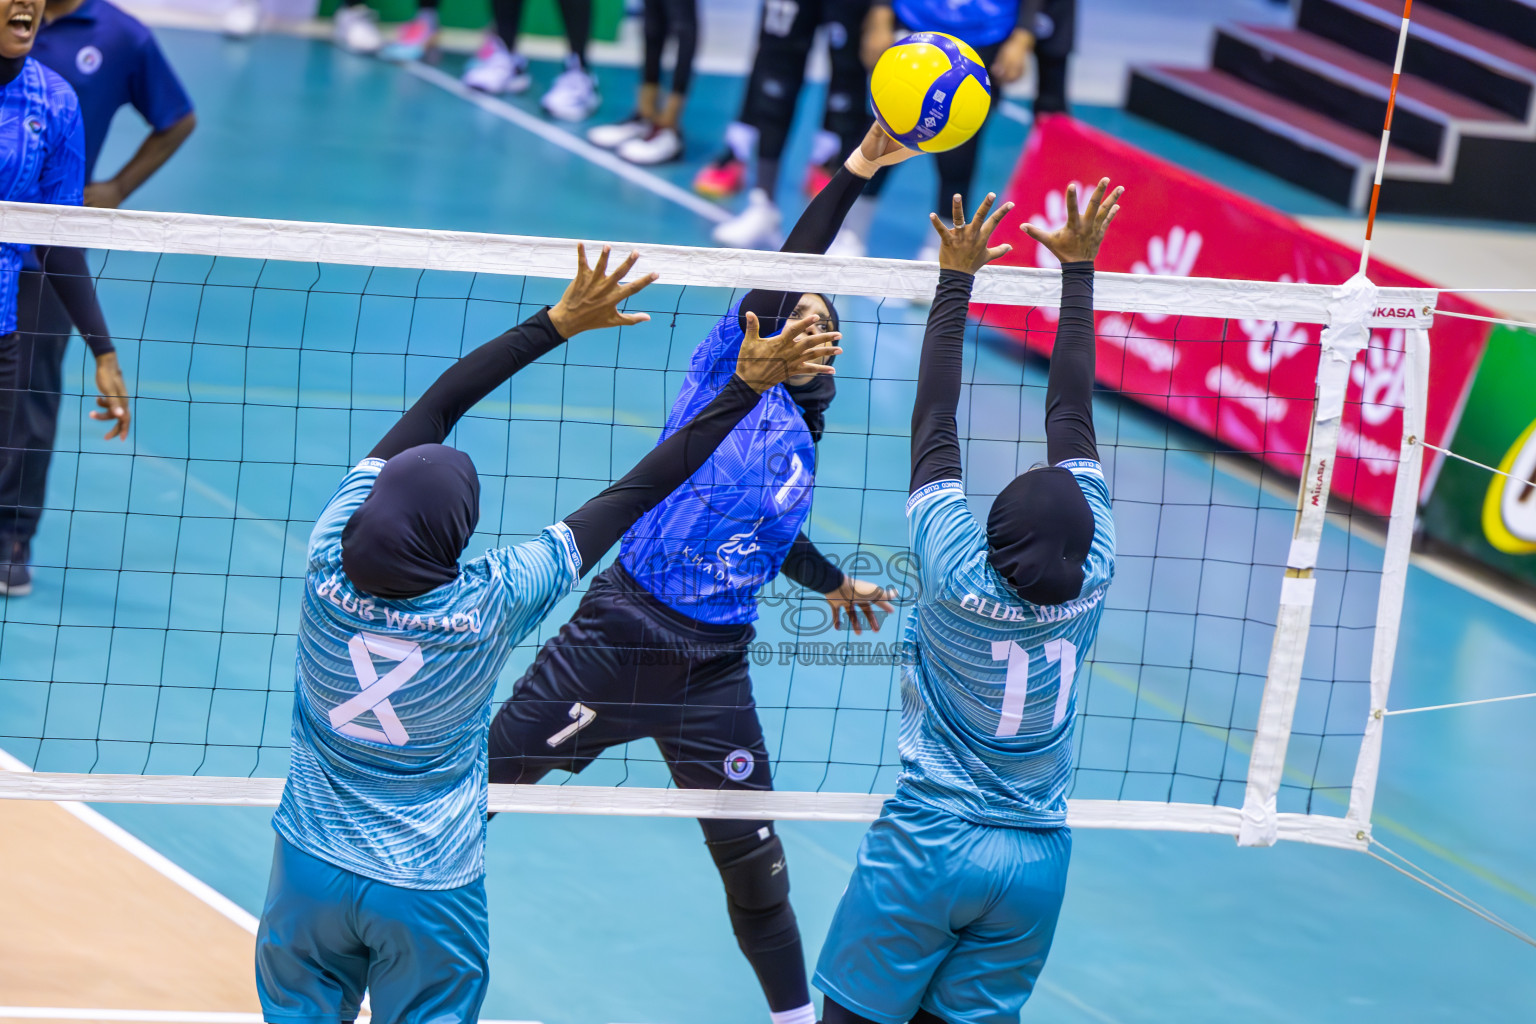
497	67
1055	36
767	111
573	95
845	116
662	140
29	413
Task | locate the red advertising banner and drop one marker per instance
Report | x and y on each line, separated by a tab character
1247	383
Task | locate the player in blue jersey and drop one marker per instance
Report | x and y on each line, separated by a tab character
42	160
378	876
658	647
952	907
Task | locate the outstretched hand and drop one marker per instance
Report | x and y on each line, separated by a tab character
876	151
855	597
964	246
793	352
591	301
1079	239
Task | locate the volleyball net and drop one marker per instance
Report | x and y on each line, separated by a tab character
1244	654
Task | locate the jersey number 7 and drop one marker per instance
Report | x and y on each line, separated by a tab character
1016	686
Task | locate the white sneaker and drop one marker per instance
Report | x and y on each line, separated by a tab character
848	244
243	19
756	227
574	95
356	29
659	146
495	70
612	136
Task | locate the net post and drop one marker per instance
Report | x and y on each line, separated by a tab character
1394	578
1343	339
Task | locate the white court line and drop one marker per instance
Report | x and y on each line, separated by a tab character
1014	112
155	859
571	143
159	1016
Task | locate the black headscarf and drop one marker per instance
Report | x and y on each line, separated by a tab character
406	537
1039	533
815	395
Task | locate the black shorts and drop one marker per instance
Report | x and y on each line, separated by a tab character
627	667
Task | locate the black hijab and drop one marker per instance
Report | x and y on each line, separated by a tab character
1039	533
406	537
815	395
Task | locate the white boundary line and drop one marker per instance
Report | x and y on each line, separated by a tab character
159	1016
138	848
571	143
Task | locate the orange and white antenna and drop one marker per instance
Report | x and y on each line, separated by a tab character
1386	133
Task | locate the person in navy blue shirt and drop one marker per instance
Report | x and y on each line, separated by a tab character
111	60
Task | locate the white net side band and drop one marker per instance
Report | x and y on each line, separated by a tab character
527	256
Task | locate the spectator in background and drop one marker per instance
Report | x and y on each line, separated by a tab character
111	60
784	37
651	135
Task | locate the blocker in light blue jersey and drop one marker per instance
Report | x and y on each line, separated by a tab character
392	703
989	701
42	159
714	542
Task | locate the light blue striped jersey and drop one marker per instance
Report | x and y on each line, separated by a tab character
393	702
988	701
42	159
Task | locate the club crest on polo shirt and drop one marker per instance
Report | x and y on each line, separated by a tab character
88	60
35	125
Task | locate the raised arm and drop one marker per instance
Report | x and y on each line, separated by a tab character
823	218
963	251
1069	393
761	364
590	302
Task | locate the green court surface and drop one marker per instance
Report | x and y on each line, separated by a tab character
159	638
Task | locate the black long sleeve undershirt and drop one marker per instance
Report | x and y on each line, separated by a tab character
935	438
70	276
466	382
599	524
1069	392
813	232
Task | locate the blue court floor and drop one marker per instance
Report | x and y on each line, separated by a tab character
606	920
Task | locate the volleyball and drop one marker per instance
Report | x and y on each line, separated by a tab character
930	91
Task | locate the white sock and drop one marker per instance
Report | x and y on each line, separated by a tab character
800	1015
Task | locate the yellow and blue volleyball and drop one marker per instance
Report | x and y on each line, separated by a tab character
930	91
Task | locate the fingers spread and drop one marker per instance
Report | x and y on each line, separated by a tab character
601	270
957	211
996	219
1072	212
629	261
634	286
751	325
581	260
981	211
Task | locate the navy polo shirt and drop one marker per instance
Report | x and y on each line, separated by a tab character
111	59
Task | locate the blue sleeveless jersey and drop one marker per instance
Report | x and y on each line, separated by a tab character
978	22
711	545
42	159
989	700
393	702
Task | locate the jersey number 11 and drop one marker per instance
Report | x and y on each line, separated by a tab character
1016	686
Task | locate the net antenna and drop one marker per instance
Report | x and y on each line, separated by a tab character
1386	133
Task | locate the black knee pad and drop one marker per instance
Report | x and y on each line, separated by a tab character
756	878
753	869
